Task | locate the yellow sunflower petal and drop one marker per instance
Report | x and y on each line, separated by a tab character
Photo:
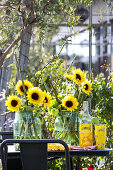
79	76
47	100
13	103
19	86
35	96
70	103
87	87
70	77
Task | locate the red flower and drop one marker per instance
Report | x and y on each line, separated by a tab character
80	168
90	167
101	64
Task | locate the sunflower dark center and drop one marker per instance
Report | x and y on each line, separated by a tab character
69	103
22	89
14	103
46	100
35	96
78	76
86	87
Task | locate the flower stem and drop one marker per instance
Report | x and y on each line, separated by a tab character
55	92
34	126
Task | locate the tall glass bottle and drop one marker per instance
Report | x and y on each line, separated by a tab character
85	128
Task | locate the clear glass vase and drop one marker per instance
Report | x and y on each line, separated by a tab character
27	126
66	128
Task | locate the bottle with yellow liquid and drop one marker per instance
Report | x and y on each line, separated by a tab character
85	127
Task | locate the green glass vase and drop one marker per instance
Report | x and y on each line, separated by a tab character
66	128
27	126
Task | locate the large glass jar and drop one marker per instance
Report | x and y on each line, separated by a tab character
27	126
66	127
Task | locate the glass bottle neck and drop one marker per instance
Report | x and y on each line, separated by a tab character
85	105
85	118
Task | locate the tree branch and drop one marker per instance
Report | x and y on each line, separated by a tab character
46	6
55	92
3	56
29	4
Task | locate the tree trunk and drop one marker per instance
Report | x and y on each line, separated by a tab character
4	80
5	74
24	54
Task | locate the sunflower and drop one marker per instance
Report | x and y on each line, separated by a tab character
35	96
47	100
79	76
87	87
19	86
70	103
13	103
70	77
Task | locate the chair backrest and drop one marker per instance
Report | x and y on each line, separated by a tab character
34	153
6	135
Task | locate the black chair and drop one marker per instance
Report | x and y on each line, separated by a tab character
34	154
6	135
16	162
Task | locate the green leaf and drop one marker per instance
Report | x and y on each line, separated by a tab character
10	65
9	55
3	42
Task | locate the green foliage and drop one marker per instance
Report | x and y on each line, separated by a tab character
103	96
16	14
57	164
8	28
102	105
